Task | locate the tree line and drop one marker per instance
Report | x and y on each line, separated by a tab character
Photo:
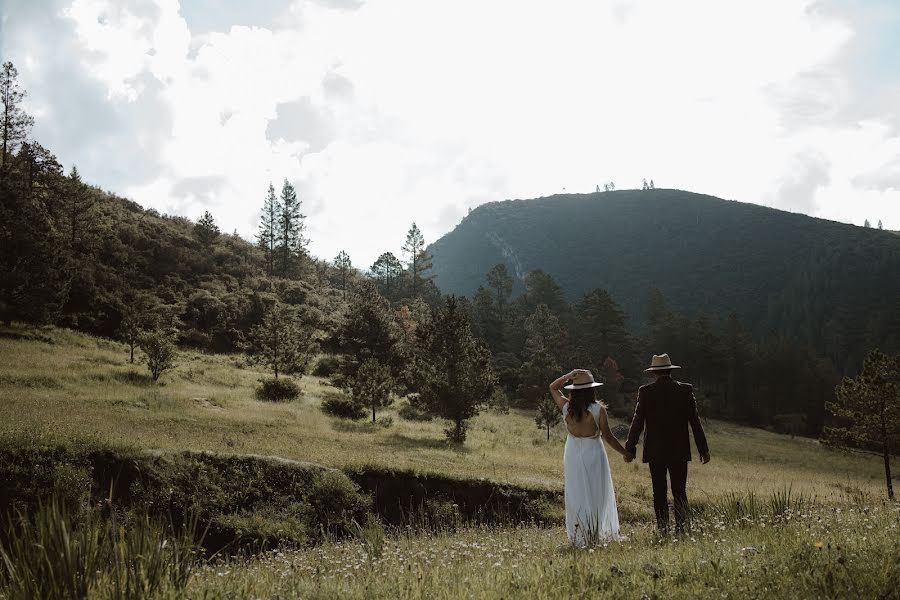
79	257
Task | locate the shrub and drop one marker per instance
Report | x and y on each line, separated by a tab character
160	350
327	366
278	390
412	412
340	405
337	503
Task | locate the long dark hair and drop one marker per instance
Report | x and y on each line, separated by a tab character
579	400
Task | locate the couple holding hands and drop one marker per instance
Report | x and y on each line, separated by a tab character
665	409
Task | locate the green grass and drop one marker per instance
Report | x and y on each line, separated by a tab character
777	516
68	385
814	554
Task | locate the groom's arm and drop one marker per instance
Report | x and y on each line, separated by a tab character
637	425
697	427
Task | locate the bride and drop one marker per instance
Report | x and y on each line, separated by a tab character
591	513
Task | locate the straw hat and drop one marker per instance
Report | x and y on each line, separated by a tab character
661	362
583	380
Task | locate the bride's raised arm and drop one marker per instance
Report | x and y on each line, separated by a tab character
557	385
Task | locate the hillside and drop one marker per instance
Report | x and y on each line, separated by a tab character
832	285
61	385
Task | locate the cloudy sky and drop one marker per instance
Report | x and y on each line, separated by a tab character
384	112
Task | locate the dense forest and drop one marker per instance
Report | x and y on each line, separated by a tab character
765	310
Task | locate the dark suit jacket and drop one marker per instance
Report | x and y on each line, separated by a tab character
666	407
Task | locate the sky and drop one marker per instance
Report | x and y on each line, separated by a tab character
385	112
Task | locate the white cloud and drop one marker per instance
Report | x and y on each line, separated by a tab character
391	111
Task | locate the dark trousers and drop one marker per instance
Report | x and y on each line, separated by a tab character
678	474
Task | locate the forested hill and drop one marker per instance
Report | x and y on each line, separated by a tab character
832	285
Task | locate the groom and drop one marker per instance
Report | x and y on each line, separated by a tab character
666	407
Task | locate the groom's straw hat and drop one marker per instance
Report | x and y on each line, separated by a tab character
582	381
661	362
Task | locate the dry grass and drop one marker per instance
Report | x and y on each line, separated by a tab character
70	385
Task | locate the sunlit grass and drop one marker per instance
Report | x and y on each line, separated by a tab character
70	385
824	553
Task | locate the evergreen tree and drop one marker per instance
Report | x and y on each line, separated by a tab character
486	319
866	224
372	385
880	226
458	376
368	331
869	406
267	237
291	226
499	280
387	270
79	202
547	414
418	261
206	229
644	185
281	342
343	265
544	344
652	185
541	288
16	123
34	274
601	327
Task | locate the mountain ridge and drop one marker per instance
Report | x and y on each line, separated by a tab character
780	272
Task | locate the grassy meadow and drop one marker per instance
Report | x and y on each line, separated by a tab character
836	536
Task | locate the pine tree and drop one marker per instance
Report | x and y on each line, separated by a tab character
652	185
387	270
291	227
541	288
880	226
870	407
79	203
544	343
281	342
343	265
499	279
418	261
372	385
866	224
267	237
15	122
645	185
458	375
601	326
547	414
206	229
368	331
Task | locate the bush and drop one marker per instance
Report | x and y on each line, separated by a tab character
159	348
327	366
410	412
340	405
338	503
278	390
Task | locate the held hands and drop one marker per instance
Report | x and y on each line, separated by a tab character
628	456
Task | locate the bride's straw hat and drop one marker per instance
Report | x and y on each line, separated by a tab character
582	381
661	362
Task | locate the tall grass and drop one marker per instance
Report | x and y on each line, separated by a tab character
749	507
54	556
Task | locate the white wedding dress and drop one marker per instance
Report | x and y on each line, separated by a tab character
591	513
